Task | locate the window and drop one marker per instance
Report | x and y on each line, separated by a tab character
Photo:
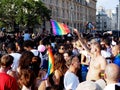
56	2
63	3
63	14
50	1
57	12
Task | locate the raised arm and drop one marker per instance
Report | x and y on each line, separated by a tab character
83	44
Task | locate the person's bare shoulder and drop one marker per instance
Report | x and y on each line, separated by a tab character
102	62
103	59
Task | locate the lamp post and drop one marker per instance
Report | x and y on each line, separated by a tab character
71	15
71	9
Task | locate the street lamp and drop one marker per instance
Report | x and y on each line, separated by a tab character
71	15
71	9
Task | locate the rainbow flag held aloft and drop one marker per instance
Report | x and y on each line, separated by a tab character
59	28
50	63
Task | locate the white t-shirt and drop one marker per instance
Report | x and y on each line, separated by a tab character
37	53
70	81
16	57
106	54
25	88
84	52
111	86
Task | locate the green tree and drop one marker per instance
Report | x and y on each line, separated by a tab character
23	12
7	13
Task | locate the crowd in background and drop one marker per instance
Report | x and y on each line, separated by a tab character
82	61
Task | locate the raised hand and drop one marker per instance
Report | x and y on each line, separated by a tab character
76	32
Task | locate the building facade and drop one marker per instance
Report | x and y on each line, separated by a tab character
114	22
105	19
113	18
118	16
101	19
74	13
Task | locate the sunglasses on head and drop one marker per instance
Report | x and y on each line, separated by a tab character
62	48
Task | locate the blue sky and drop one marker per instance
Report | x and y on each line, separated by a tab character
108	4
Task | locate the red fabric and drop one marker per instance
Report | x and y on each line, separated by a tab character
7	82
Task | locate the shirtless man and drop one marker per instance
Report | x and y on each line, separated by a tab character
97	63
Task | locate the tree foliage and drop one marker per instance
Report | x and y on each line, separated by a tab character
23	12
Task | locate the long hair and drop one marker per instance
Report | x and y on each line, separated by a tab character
25	59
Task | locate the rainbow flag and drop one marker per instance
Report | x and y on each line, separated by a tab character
59	28
50	63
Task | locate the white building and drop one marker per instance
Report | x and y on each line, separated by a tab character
113	19
101	19
114	22
106	19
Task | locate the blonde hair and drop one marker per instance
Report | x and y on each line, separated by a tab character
6	60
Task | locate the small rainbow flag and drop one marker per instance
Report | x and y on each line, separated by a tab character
59	28
50	63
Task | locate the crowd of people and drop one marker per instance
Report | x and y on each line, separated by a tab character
81	61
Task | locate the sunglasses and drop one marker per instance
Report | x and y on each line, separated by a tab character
62	48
